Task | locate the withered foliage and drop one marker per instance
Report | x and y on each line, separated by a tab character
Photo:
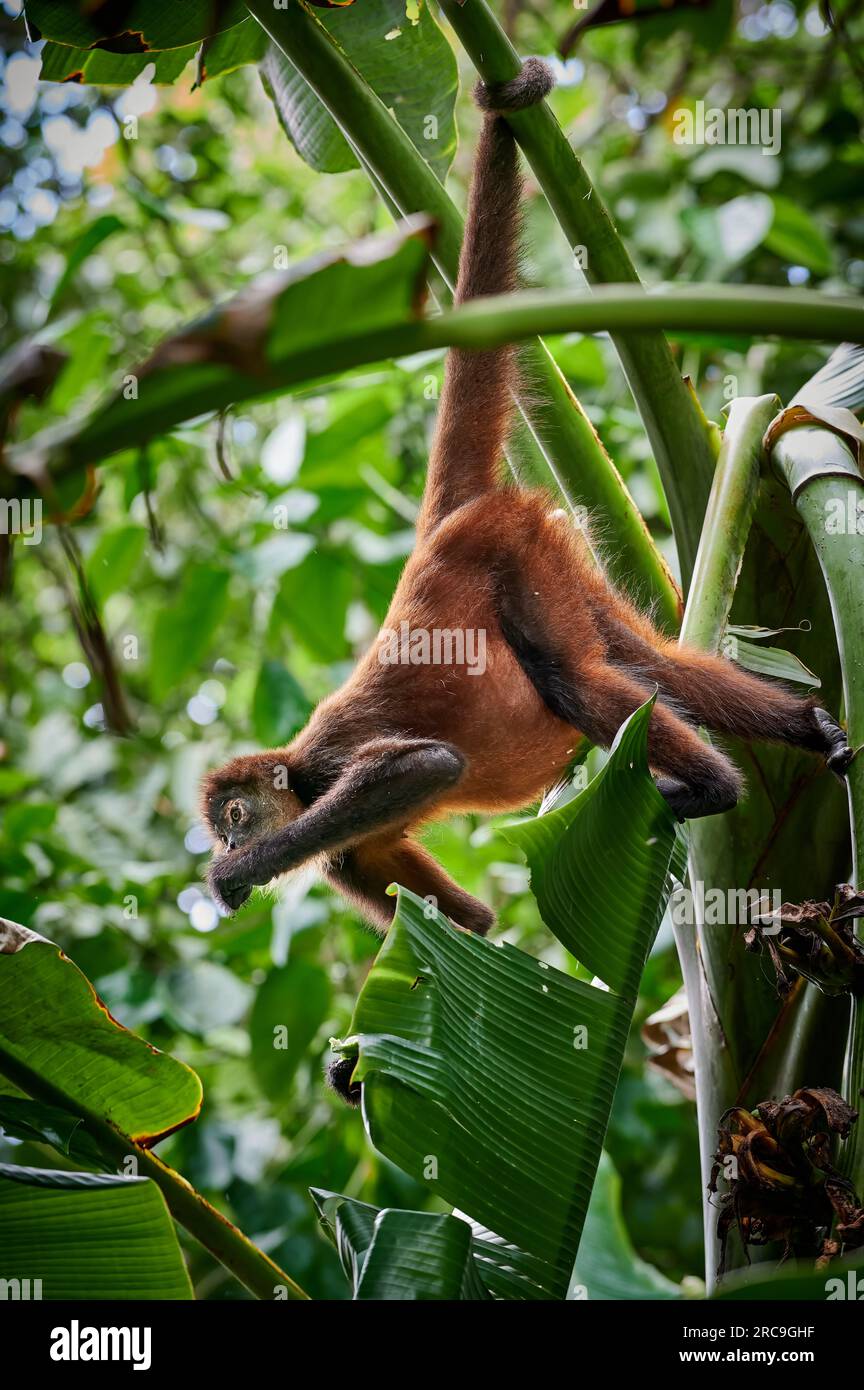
782	1185
816	940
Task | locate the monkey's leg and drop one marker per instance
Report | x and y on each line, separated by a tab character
700	780
388	782
724	698
563	656
364	872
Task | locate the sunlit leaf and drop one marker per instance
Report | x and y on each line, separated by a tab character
411	67
55	1030
87	1236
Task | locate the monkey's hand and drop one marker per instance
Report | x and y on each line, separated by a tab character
229	881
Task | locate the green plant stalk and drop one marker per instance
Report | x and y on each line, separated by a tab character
828	491
728	518
676	428
255	1270
726	525
567	440
482	323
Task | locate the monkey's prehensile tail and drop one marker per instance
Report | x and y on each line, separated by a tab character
475	408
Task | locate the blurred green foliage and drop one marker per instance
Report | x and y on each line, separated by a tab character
240	565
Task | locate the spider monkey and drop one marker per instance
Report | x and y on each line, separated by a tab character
401	744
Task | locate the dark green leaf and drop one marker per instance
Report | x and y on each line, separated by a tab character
410	66
183	631
289	1009
134	27
279	706
607	1266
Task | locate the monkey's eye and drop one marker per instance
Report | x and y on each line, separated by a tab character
235	815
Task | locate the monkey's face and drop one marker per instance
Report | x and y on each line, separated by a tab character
236	817
247	800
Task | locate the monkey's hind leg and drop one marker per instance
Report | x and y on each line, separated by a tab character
721	696
570	673
695	779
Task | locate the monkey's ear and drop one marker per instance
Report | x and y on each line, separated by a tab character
339	1073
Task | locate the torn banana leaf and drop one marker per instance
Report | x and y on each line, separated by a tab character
490	1075
401	1255
284	327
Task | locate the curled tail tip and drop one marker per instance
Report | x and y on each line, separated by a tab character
531	85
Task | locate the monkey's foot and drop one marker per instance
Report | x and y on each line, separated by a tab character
838	754
693	800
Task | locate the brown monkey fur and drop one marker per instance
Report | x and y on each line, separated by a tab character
398	744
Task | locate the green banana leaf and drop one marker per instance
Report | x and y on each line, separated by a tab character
619	832
61	1047
490	1075
87	1236
411	67
607	1266
33	1121
401	1255
58	1041
501	1269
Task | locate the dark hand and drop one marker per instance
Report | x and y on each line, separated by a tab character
228	882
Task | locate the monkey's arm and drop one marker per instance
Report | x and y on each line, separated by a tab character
386	784
364	873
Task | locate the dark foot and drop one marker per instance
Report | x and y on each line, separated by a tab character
835	746
339	1079
691	801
